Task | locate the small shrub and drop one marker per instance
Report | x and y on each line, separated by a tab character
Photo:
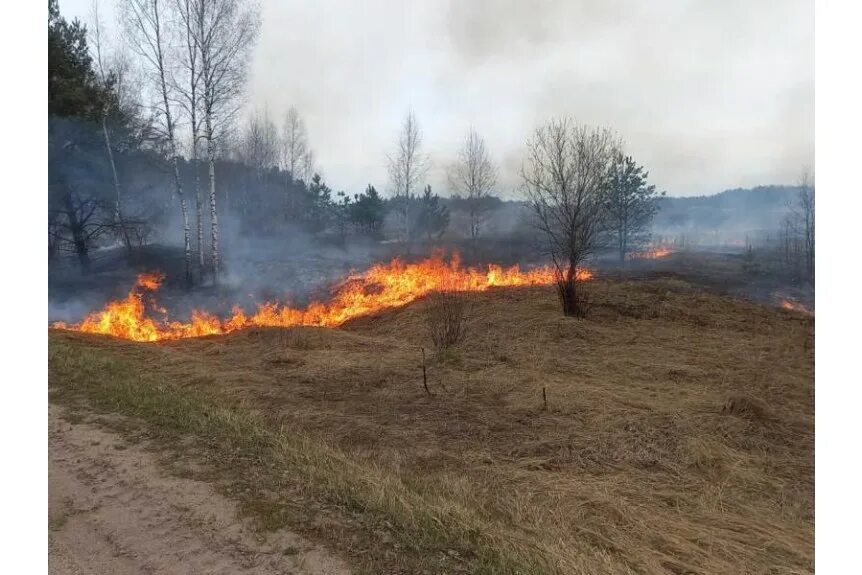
300	337
447	311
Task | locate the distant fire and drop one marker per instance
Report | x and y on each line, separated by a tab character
382	287
795	306
651	253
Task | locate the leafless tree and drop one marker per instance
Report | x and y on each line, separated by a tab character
77	222
473	176
224	32
187	83
297	157
147	32
108	74
309	167
408	165
799	226
565	179
260	145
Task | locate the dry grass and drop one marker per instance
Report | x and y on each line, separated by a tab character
679	434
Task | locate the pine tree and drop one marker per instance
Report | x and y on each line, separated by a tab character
631	204
342	209
433	217
368	210
72	87
320	204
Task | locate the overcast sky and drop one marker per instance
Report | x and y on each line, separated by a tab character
707	94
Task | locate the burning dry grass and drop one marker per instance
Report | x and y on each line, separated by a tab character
139	317
678	435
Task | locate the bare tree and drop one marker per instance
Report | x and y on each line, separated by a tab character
308	167
224	32
565	179
297	157
109	74
473	176
260	146
145	24
407	167
631	204
799	226
77	221
188	85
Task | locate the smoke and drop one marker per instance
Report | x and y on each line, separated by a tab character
708	95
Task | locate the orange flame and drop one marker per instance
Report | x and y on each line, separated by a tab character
651	253
382	287
150	281
795	306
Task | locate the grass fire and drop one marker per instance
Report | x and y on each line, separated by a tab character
427	288
658	428
651	253
382	287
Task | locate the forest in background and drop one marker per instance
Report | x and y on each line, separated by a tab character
132	163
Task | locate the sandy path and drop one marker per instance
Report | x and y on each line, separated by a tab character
112	509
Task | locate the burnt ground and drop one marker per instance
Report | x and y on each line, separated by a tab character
722	272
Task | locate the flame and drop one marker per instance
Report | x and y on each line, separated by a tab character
795	306
651	253
150	281
383	286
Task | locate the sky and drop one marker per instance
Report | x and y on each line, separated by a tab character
706	94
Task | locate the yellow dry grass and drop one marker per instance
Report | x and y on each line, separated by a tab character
678	434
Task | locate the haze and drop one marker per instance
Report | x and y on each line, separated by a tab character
708	95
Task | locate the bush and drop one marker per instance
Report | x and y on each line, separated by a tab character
447	311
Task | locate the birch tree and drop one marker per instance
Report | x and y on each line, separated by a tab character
565	180
473	176
224	32
106	78
187	83
296	154
407	165
147	32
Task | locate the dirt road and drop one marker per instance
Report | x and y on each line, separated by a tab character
113	510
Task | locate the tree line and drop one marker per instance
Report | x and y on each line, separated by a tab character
117	141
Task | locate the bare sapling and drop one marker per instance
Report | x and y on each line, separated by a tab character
447	311
566	184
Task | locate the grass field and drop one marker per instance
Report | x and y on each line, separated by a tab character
676	432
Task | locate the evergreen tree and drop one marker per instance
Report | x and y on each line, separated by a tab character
631	204
432	218
320	204
368	210
342	209
73	88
